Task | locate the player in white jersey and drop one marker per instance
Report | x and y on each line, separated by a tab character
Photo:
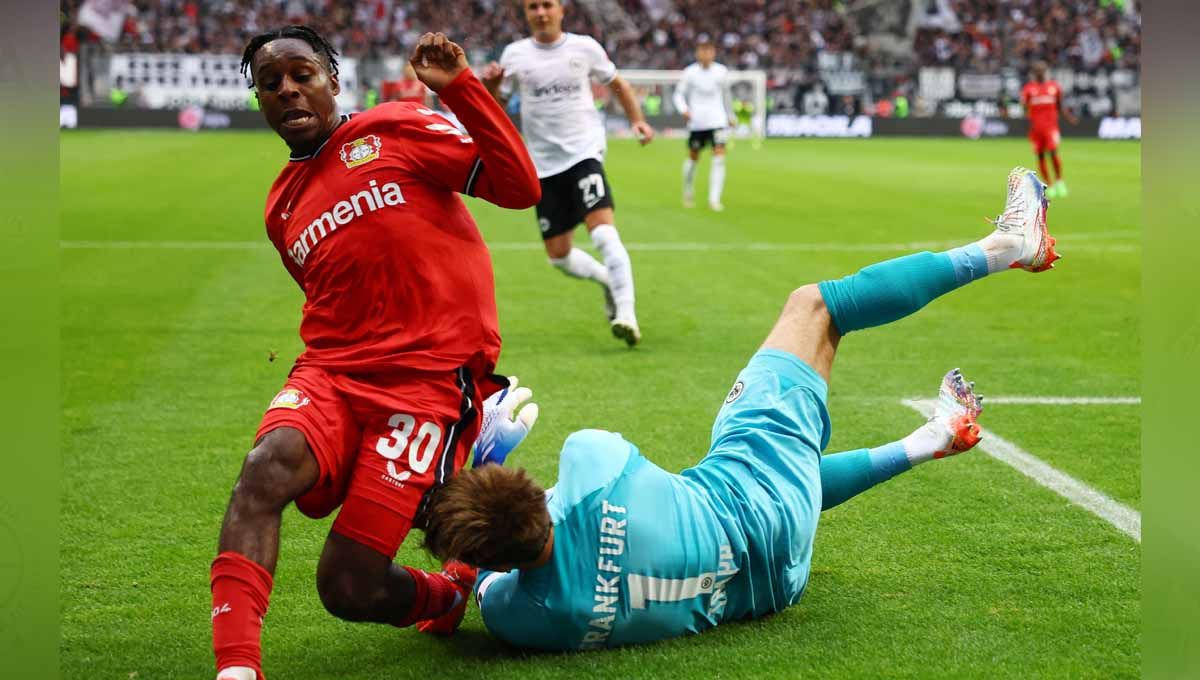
703	98
553	71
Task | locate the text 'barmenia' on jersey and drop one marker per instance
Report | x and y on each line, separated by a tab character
370	199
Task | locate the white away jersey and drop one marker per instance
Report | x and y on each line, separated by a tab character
704	93
558	115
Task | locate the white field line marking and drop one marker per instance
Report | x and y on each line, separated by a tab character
1063	401
532	245
1127	520
164	245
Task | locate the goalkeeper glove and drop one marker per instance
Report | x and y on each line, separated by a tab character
501	432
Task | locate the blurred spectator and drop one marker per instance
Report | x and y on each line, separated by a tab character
798	42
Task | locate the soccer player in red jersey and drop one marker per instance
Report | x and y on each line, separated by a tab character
399	326
1042	100
406	89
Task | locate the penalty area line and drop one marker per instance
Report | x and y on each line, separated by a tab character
1124	518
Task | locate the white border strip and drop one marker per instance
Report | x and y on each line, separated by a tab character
1127	520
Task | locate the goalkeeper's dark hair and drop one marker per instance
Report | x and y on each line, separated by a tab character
298	31
489	516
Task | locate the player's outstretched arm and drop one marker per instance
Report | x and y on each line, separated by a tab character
506	177
633	111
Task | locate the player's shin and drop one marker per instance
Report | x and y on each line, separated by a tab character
845	475
716	180
580	265
891	290
689	178
620	269
241	590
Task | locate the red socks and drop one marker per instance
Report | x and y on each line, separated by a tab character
435	595
1057	166
1045	170
241	590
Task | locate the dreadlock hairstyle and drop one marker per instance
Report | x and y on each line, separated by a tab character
319	44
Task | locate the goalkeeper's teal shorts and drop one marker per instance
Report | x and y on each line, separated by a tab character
763	470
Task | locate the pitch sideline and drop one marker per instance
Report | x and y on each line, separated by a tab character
1124	518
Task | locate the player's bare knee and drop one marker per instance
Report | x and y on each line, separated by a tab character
275	471
557	248
806	302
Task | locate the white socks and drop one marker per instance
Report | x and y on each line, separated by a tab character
716	180
1001	250
580	265
689	177
926	441
620	269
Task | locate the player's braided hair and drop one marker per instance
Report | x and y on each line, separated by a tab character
299	31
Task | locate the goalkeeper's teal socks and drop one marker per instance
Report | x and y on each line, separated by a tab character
845	475
891	290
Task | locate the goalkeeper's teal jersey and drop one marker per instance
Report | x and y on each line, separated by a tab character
641	554
638	555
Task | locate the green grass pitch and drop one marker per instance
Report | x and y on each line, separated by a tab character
963	567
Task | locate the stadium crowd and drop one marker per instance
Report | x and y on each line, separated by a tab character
770	34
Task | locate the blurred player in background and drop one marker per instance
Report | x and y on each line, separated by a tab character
620	551
552	71
1042	99
399	327
406	89
703	97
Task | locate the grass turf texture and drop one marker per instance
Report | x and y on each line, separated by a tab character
961	567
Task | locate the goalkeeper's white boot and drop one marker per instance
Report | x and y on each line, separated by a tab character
237	673
627	330
953	423
1024	220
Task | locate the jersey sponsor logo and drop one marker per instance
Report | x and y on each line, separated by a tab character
556	89
361	151
289	398
735	392
368	200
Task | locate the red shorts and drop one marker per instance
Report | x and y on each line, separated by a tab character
1044	139
383	442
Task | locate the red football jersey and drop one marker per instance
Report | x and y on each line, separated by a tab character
1042	99
393	268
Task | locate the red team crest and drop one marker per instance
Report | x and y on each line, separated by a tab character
288	398
361	151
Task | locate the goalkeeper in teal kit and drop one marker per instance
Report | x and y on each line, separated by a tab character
620	551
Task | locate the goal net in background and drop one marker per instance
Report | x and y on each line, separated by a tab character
656	90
